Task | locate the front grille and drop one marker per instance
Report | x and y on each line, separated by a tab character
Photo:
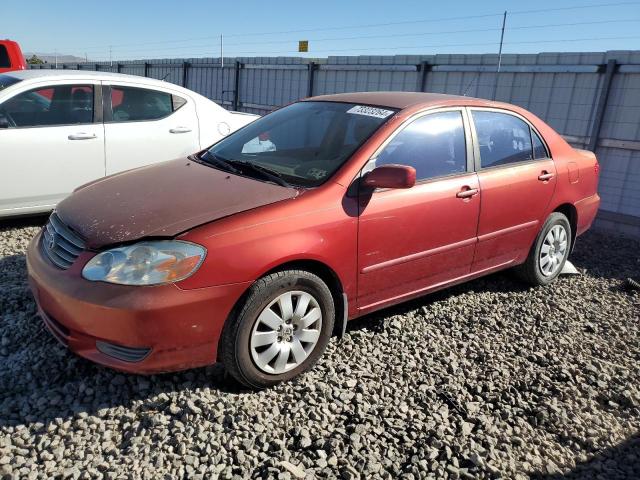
59	243
126	354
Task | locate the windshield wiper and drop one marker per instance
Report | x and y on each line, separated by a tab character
264	171
217	161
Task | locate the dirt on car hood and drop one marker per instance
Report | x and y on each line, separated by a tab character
161	200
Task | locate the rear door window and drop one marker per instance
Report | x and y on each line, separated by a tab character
130	104
503	138
50	106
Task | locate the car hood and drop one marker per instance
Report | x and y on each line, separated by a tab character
161	200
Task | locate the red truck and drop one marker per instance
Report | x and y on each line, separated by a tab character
11	57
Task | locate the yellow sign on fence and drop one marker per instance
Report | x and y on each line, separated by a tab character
303	46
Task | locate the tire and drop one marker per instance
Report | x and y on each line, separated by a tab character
273	319
537	269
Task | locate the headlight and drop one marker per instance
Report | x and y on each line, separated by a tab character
146	263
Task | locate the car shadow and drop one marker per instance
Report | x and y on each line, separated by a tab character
619	461
503	282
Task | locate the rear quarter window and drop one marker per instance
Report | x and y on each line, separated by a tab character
539	150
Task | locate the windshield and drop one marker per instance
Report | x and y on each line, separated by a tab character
6	80
303	143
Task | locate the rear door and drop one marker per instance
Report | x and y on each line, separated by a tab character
53	143
517	178
413	239
146	125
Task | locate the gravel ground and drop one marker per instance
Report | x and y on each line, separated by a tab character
486	380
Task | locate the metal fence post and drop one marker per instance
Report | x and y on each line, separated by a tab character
118	67
424	68
236	90
185	70
602	105
146	69
97	67
311	74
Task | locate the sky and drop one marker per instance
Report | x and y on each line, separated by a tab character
142	29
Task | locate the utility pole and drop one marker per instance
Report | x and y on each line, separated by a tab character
504	22
222	67
110	56
86	59
56	55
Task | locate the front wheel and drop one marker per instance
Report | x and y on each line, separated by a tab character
280	329
549	252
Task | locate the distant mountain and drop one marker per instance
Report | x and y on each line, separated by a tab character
51	57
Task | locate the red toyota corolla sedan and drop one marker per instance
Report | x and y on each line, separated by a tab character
256	250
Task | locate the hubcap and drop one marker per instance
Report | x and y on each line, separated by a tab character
553	250
286	332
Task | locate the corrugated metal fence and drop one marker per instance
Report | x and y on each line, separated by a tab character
593	99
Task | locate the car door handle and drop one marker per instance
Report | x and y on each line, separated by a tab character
180	130
545	176
82	136
467	192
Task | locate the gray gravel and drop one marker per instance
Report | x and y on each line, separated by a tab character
486	380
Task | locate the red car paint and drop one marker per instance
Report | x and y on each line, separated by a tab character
11	57
380	249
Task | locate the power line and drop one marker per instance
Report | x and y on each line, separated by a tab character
507	43
445	19
473	30
432	20
575	7
522	27
490	43
372	25
442	46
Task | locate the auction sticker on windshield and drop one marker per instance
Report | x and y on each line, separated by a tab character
370	111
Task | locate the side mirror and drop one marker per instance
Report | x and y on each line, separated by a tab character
391	176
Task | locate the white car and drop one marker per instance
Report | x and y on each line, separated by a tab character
60	129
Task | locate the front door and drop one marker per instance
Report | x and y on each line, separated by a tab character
53	143
517	179
414	239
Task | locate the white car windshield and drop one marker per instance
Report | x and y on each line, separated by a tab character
302	144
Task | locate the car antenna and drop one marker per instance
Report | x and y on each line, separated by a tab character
495	88
470	84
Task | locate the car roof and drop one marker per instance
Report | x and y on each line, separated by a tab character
58	74
402	100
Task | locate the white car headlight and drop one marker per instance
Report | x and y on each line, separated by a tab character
146	263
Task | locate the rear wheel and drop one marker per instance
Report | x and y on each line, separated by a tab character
549	252
280	330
